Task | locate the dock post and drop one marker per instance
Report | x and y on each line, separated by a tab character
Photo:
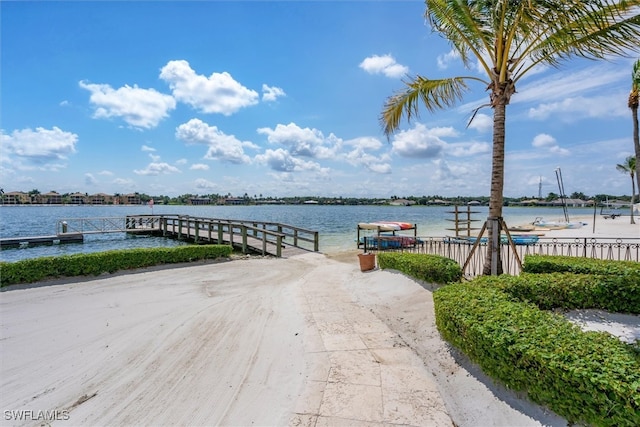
243	230
279	247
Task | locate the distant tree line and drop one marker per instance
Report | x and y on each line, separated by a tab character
257	199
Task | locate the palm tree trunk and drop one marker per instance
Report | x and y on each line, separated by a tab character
636	141
633	196
493	260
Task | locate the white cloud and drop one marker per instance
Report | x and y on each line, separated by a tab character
226	148
580	107
203	184
89	179
446	59
147	148
421	142
124	182
199	167
559	150
373	163
271	93
182	161
482	123
155	169
359	156
141	108
302	142
218	93
385	64
282	161
377	167
105	172
466	149
543	140
562	86
547	142
365	143
41	145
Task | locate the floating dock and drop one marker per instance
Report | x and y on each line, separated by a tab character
16	242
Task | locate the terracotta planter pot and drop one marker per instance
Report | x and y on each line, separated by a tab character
367	261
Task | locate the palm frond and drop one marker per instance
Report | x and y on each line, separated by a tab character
475	113
434	94
594	30
468	32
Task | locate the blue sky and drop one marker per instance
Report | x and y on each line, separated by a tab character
280	99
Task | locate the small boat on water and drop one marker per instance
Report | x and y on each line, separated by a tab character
556	225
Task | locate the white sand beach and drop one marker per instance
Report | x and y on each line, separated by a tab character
310	340
598	228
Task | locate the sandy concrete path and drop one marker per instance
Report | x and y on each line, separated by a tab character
202	345
308	340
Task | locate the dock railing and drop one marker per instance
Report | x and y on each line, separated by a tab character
273	236
620	249
105	225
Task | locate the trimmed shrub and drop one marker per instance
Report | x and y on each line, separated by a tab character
33	270
629	270
587	377
611	293
428	268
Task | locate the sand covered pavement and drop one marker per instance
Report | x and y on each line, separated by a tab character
309	340
199	345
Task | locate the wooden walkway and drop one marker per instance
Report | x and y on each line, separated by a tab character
266	238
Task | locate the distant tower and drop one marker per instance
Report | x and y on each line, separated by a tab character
540	188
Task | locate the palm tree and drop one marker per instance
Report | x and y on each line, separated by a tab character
633	105
508	39
629	166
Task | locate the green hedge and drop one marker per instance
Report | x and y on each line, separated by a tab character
33	270
428	268
629	270
587	377
613	293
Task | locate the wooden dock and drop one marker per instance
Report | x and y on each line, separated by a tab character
265	238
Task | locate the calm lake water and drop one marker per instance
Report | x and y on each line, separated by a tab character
337	225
